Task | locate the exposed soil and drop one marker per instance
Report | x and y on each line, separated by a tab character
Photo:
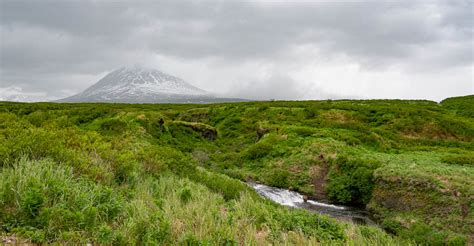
320	178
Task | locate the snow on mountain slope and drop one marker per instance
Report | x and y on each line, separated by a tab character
139	85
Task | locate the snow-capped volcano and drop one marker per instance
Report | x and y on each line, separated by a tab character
140	85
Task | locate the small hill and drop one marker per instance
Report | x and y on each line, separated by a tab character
461	105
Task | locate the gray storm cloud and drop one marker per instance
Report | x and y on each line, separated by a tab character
56	46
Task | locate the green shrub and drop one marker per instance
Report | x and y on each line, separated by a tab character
190	240
369	232
32	199
177	128
126	169
457	240
87	115
340	189
113	127
278	178
154	124
463	160
351	180
304	131
392	226
152	230
185	195
42	196
258	150
310	113
424	234
104	234
312	224
220	183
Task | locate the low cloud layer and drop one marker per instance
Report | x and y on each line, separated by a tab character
258	49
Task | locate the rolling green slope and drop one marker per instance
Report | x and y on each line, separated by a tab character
460	105
166	174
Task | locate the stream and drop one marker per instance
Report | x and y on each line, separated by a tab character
295	199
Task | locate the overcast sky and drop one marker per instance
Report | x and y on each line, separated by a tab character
248	49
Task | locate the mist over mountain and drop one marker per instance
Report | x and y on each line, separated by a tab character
143	85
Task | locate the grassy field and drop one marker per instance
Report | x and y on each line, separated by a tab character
172	174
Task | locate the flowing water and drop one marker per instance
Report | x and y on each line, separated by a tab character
295	199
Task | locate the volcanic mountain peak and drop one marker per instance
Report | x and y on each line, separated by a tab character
138	84
138	80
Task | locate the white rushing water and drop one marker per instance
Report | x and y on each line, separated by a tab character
287	197
295	200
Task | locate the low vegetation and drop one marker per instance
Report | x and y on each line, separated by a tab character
174	174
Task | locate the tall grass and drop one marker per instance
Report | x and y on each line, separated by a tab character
43	201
